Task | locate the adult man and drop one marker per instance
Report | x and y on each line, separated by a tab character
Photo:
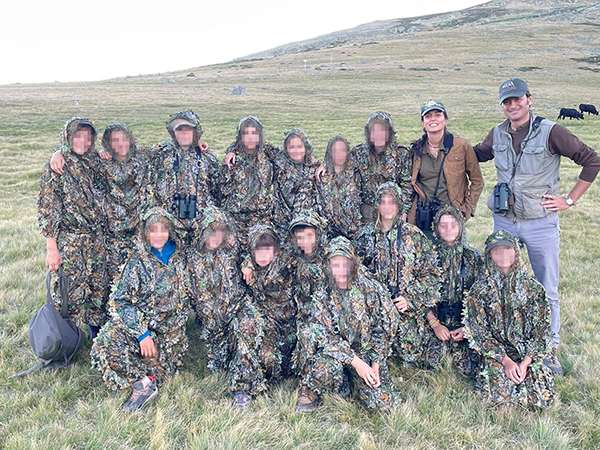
526	149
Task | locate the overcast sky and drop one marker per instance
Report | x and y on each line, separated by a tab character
66	40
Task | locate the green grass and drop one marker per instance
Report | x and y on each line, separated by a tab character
72	409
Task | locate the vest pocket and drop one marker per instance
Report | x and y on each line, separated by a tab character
501	157
533	160
528	202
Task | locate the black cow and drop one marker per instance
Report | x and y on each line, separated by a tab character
586	108
570	113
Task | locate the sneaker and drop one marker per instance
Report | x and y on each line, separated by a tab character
307	401
553	364
241	399
142	393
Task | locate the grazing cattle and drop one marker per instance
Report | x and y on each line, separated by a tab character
587	108
570	113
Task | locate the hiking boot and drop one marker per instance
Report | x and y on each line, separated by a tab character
307	401
142	393
553	364
241	399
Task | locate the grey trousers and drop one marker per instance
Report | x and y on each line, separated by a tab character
542	239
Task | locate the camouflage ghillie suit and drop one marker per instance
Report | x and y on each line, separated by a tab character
309	276
126	196
509	315
69	210
394	163
294	189
247	187
338	196
404	261
459	265
272	292
231	326
190	172
359	321
150	298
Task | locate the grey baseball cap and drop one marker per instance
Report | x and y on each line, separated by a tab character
514	87
433	105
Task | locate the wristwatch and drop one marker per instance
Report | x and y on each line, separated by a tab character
569	201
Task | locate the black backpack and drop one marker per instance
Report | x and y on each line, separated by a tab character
54	338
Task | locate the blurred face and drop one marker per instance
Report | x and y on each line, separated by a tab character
516	109
504	257
379	135
250	138
448	229
81	141
215	239
264	255
295	149
119	143
306	240
340	270
388	208
339	153
157	235
434	121
184	135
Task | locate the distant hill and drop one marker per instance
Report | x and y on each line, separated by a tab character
491	13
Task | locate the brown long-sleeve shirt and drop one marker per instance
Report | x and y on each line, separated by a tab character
560	142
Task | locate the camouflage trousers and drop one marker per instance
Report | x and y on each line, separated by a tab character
411	340
326	374
118	251
116	354
465	360
84	266
232	347
535	392
276	348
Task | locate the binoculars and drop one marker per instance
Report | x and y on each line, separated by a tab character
501	198
184	206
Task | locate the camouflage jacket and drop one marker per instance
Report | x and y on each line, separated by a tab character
507	314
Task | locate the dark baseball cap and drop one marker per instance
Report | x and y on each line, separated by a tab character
513	87
433	105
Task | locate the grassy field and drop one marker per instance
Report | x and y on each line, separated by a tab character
335	93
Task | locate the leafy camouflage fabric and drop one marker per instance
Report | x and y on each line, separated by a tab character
190	171
359	321
273	294
247	188
459	265
294	189
394	163
339	196
125	198
70	211
230	324
150	297
509	315
404	261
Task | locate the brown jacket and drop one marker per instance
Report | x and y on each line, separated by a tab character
461	169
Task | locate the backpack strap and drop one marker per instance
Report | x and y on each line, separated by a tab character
63	289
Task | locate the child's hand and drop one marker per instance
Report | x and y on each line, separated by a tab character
229	159
53	258
401	303
365	371
57	163
375	367
319	172
103	154
458	334
147	348
248	275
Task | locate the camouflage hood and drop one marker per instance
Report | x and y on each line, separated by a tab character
297	132
341	246
452	211
328	153
385	119
69	129
309	217
502	237
256	231
391	188
117	126
211	218
248	121
191	119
